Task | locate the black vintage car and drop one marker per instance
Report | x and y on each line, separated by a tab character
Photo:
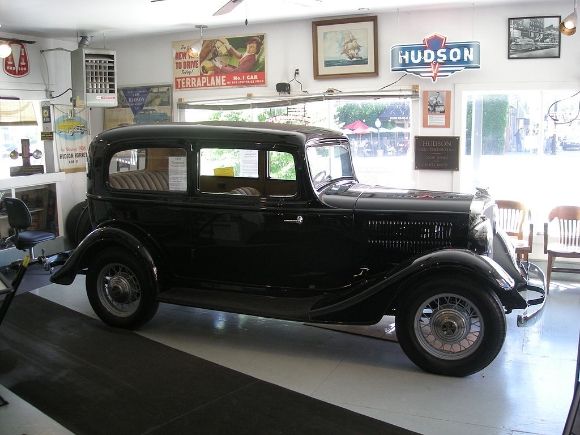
270	220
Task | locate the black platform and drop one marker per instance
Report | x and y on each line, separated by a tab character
93	379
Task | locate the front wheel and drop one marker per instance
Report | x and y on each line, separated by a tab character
119	290
448	328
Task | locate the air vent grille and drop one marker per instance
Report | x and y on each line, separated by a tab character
408	236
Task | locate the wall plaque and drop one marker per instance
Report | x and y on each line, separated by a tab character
437	152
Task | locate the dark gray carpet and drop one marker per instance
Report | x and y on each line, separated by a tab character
93	379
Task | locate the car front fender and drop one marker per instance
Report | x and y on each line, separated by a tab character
381	294
93	243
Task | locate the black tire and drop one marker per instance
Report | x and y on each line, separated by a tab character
131	300
450	328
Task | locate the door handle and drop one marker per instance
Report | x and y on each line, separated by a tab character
298	220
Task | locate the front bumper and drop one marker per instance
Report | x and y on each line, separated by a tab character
534	292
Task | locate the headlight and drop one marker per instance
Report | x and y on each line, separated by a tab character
481	237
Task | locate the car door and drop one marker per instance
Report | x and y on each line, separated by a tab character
280	238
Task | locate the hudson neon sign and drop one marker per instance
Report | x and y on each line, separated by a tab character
435	57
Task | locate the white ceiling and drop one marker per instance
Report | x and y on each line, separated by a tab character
66	19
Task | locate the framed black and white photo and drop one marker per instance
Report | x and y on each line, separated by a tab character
534	37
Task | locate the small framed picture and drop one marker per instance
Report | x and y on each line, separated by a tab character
534	37
345	47
436	109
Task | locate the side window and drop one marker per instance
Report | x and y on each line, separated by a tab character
230	171
149	169
281	177
281	166
228	162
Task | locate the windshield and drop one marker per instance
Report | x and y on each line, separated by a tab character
329	162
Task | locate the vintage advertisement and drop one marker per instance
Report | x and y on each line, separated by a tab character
72	137
224	62
149	104
436	109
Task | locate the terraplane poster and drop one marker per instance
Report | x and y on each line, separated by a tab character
236	61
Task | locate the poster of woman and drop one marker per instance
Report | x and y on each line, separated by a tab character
236	61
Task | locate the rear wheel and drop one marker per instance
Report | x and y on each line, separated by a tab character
447	327
119	290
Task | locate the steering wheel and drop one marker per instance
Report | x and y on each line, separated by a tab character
320	176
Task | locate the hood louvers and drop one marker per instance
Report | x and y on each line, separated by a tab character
409	236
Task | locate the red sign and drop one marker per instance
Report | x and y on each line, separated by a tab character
21	68
224	62
216	81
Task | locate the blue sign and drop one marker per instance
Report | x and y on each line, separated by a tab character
136	98
435	57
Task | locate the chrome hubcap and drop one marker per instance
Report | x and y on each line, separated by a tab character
448	326
119	290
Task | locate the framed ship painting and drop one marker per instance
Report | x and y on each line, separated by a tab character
345	47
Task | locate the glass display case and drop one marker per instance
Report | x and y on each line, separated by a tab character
41	194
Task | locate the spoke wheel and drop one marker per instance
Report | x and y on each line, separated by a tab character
121	290
451	326
448	326
118	289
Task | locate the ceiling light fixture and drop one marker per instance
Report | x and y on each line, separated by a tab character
568	24
195	48
5	49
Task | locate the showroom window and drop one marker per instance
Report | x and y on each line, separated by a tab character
149	169
378	129
18	121
523	145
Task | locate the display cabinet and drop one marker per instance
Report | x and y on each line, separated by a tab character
41	194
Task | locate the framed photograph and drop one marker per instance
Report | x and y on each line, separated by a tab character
345	48
534	37
436	109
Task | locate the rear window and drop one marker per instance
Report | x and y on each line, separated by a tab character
149	169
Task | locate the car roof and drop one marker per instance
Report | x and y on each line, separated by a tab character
225	130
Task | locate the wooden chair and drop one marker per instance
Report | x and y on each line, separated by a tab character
516	220
564	222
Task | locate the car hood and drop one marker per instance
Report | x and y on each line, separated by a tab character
362	197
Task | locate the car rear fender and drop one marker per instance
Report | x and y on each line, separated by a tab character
382	296
104	237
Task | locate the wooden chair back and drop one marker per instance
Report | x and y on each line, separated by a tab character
568	224
512	216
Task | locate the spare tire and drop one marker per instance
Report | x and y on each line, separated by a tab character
78	224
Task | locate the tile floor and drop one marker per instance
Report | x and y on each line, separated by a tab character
527	389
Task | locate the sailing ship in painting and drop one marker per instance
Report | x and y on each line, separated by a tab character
351	47
346	49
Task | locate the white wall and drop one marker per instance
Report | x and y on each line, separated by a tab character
147	60
289	46
51	71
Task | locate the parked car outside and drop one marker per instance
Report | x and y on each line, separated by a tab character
150	116
571	141
270	220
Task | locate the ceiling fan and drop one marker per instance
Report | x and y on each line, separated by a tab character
231	5
228	7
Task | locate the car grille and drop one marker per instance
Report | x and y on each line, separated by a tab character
409	236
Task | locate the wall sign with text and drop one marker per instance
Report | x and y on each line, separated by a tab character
437	153
223	62
435	57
